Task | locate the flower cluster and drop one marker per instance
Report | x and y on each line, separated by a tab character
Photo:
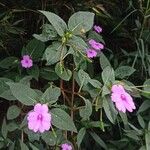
39	119
95	47
122	99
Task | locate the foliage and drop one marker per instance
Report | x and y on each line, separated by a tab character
76	89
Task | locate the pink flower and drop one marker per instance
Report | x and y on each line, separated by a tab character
91	53
39	119
98	29
66	146
96	45
122	99
26	62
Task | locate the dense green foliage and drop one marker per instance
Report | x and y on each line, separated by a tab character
76	88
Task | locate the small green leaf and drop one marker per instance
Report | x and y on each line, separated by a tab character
78	44
54	52
9	62
145	105
98	140
109	109
141	121
48	33
63	73
13	112
33	147
124	119
108	75
32	136
97	37
124	71
49	138
95	83
83	77
104	62
26	80
23	146
12	126
4	129
51	95
59	24
8	95
3	86
23	93
34	48
86	112
146	89
80	136
62	120
79	21
34	72
48	74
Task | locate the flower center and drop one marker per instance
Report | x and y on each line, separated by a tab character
123	97
26	61
40	117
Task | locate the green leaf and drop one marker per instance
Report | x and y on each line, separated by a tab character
32	136
79	61
79	21
62	120
96	36
54	52
132	134
146	89
12	126
105	91
34	72
143	148
63	73
86	112
59	24
48	74
124	119
34	48
3	86
51	95
78	44
124	71
4	129
23	146
49	30
80	136
9	62
8	95
33	147
141	121
98	140
145	105
13	112
83	77
23	93
108	75
26	80
49	138
48	33
95	83
109	109
104	62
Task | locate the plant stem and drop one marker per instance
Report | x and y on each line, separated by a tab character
72	96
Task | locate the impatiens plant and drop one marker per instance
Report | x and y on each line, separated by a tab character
73	102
